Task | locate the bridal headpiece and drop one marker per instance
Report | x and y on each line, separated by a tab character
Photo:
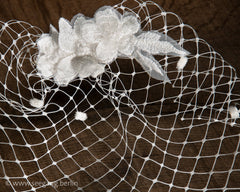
115	102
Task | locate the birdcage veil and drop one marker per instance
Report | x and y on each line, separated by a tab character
155	110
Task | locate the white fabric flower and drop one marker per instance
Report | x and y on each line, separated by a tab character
58	53
48	53
112	33
84	46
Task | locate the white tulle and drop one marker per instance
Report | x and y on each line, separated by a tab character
84	46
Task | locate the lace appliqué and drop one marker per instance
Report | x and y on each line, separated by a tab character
84	46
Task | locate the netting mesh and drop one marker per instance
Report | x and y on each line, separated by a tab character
141	134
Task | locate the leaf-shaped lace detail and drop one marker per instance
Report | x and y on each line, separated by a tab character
151	66
150	42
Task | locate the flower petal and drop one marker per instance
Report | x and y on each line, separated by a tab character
67	37
53	33
107	20
83	48
130	24
46	44
45	66
98	70
48	54
78	22
64	71
89	32
127	46
76	17
106	51
87	66
151	66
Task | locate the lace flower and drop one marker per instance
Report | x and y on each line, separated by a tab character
116	34
63	57
85	45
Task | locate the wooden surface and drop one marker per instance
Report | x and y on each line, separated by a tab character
216	21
